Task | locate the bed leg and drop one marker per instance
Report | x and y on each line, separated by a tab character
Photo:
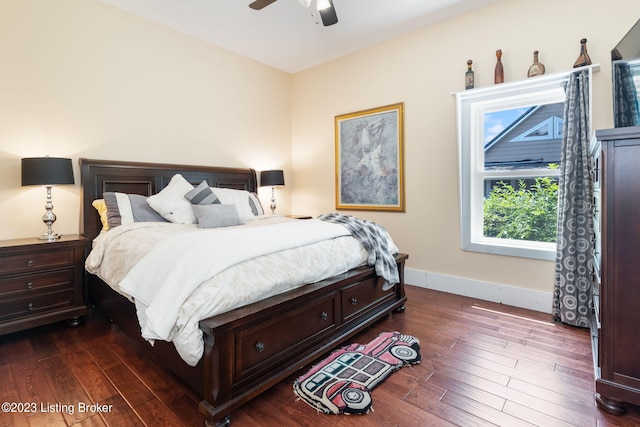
75	322
399	309
225	422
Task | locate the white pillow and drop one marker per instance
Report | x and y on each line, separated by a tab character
171	203
245	202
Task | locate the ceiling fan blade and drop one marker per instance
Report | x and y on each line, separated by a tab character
328	15
259	4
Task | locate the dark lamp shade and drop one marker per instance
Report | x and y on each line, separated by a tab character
271	178
47	171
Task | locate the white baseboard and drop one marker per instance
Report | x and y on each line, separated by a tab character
510	295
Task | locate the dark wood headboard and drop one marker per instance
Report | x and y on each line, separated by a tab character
99	176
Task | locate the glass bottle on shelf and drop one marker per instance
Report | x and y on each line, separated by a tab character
498	75
584	58
469	79
537	69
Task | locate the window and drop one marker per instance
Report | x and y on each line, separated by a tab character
550	128
509	146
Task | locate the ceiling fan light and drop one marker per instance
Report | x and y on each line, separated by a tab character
323	4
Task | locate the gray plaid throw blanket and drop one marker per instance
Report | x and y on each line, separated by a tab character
375	240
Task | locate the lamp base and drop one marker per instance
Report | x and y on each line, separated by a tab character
49	218
273	200
49	237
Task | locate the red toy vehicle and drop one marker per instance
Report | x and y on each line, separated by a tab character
342	382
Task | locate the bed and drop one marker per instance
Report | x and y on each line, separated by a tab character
253	347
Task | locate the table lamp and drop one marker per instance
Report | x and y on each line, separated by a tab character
272	178
47	171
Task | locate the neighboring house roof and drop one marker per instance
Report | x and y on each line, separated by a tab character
508	129
532	140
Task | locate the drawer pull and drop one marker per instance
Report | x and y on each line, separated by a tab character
353	301
29	285
324	315
30	306
30	263
260	346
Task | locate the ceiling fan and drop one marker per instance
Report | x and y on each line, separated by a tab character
324	7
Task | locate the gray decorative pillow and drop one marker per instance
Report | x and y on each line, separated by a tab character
128	208
216	215
202	195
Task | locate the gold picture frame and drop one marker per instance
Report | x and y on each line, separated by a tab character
370	159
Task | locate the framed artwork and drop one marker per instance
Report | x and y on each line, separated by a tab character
369	159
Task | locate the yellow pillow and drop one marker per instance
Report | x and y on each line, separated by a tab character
101	207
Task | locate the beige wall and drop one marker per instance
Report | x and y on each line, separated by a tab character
422	70
83	79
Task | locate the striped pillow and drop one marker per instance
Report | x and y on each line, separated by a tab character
128	208
202	195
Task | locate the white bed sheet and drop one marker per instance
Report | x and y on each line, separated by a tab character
117	251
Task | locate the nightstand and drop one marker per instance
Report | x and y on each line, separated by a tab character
41	282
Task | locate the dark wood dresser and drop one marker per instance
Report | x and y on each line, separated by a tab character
616	322
41	282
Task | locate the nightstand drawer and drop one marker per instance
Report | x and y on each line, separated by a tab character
29	305
34	282
20	263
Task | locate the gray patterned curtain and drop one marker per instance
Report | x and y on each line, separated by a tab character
626	111
572	294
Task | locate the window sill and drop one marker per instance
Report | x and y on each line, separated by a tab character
517	248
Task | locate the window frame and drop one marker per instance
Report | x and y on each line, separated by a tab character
471	106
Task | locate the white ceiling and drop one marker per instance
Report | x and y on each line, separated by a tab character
285	35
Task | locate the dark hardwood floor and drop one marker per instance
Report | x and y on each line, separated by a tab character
483	364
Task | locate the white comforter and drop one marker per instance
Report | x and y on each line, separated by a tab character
176	280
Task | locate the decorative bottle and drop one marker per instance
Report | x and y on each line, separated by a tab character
537	69
584	58
469	79
498	75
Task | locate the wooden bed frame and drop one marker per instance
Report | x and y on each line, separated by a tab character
252	348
